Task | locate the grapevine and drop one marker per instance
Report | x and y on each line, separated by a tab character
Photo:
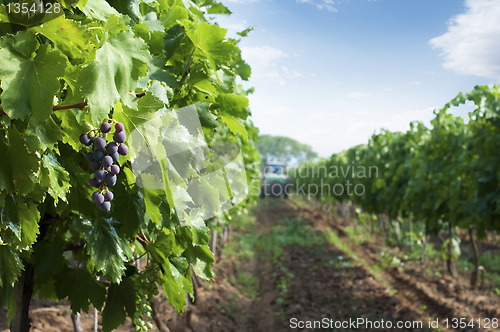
64	156
443	177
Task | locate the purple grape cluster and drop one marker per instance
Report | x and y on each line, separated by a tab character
103	159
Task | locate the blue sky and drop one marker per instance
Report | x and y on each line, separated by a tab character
331	72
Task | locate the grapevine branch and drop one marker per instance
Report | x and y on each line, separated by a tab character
82	105
77	105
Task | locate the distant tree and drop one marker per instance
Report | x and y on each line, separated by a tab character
284	149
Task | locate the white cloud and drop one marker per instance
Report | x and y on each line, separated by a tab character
470	46
321	4
357	95
266	63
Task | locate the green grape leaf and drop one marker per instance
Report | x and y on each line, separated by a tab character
129	8
119	302
8	299
243	70
54	177
19	163
113	74
4	15
181	272
128	208
71	3
207	118
174	290
108	249
201	235
72	126
81	288
131	118
174	15
48	261
232	104
218	8
245	32
97	9
210	41
43	136
29	76
69	37
11	266
201	259
173	287
22	218
156	205
158	71
154	39
176	43
234	126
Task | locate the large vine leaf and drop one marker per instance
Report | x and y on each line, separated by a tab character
108	249
119	302
128	207
21	217
29	74
201	258
69	37
81	288
11	265
232	104
113	75
54	177
18	165
97	9
234	126
210	41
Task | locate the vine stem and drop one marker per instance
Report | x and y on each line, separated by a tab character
83	104
70	106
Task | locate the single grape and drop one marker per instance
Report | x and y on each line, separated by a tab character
105	206
91	134
108	195
89	156
112	148
123	149
98	154
119	127
111	179
115	156
115	169
99	143
106	127
107	161
94	195
94	165
85	139
120	137
94	182
99	198
100	174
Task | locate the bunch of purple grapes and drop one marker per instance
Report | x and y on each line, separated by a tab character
103	159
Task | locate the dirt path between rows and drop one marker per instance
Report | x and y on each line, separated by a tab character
324	287
330	285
